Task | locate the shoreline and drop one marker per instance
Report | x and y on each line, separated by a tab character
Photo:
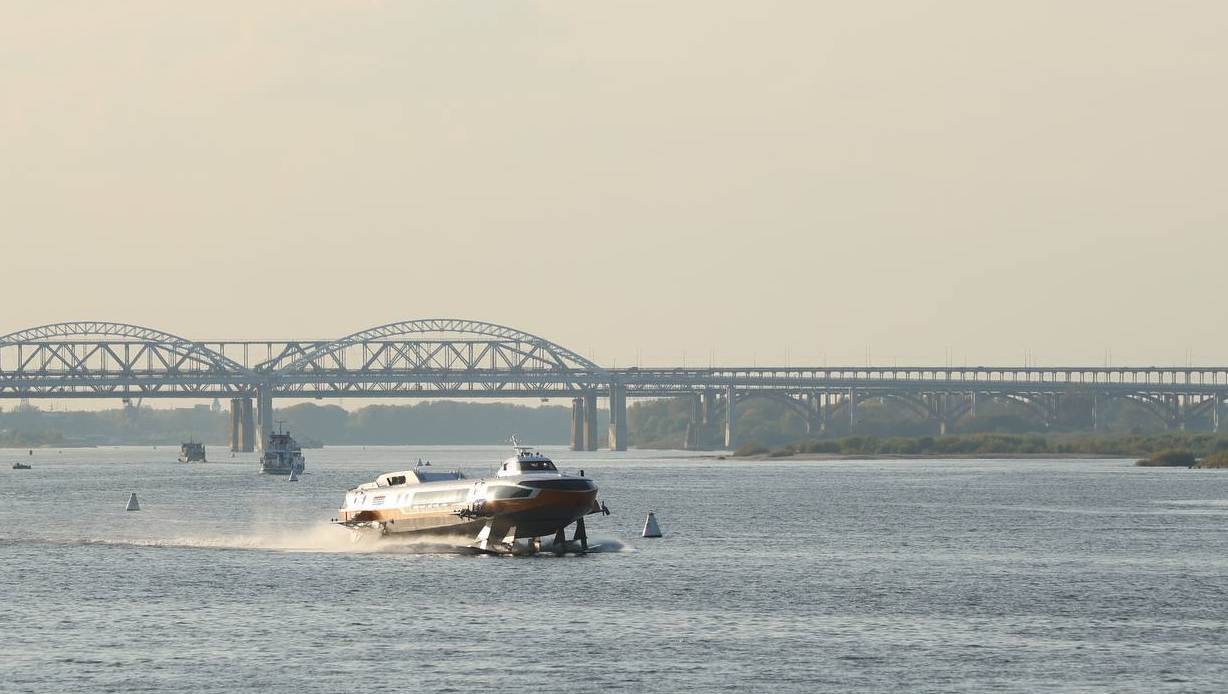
924	456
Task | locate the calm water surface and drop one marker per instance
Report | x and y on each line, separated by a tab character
773	576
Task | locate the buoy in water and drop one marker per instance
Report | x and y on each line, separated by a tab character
651	529
293	474
132	503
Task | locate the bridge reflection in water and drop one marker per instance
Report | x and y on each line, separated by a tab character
453	358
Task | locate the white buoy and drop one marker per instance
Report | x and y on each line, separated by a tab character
651	529
132	503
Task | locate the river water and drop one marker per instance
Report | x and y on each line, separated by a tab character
790	576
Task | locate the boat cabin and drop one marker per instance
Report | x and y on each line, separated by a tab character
526	461
407	477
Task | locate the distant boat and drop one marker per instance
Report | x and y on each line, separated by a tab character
21	466
192	452
282	456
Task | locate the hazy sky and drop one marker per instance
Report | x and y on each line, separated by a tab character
722	178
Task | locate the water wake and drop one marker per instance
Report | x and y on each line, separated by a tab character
319	538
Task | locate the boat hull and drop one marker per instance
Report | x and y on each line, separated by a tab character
277	469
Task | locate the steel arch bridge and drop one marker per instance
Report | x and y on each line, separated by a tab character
456	358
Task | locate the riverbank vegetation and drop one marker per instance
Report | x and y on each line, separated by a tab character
1173	457
30	439
428	423
773	424
1165	445
1214	460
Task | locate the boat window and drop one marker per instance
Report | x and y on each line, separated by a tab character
536	465
569	484
439	498
399	479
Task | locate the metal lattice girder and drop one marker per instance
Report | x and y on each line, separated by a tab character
115	348
459	358
330	355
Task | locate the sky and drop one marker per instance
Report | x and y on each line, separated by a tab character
662	182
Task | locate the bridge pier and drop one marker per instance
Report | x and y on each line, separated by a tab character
731	418
951	406
264	416
577	424
618	417
708	402
236	414
814	414
242	426
584	422
1215	411
590	421
694	425
1174	413
1051	408
937	404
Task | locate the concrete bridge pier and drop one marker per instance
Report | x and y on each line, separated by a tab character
590	421
1174	413
811	402
822	413
1215	411
939	407
1051	408
236	419
945	425
694	425
618	417
242	426
957	405
701	428
708	402
1095	411
264	416
731	418
577	424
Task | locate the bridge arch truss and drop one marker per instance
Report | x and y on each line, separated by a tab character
450	357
